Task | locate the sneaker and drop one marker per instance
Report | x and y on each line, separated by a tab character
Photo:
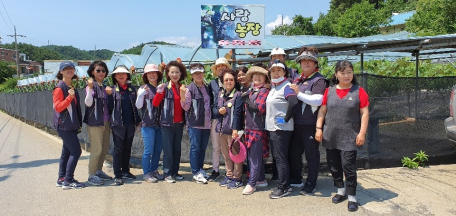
307	189
149	178
225	182
279	193
95	180
60	182
204	173
103	176
128	175
262	183
296	183
158	175
199	178
248	190
234	184
178	176
118	181
73	184
214	176
170	179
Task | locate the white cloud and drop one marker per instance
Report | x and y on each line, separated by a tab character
180	40
272	25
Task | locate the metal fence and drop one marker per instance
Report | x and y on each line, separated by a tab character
406	116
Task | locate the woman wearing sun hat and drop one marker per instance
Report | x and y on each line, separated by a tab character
97	119
309	88
123	121
214	88
150	116
195	100
67	123
279	112
256	137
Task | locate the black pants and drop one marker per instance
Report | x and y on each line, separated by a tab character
122	149
280	141
71	151
171	139
303	140
340	163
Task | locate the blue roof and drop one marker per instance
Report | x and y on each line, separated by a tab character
398	19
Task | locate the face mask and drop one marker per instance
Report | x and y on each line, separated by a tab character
277	80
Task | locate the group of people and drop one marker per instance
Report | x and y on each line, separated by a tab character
263	107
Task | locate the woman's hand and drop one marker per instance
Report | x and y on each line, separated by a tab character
295	88
319	135
235	134
360	139
222	111
90	83
71	92
108	90
160	88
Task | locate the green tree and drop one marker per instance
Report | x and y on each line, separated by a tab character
399	6
6	71
299	26
34	53
433	17
361	20
326	24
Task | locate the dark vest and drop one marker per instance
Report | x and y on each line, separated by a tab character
307	117
254	121
195	116
342	120
62	120
167	113
214	90
93	115
116	116
225	122
150	115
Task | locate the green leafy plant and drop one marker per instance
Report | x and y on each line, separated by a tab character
418	160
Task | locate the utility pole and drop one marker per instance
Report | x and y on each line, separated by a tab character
17	52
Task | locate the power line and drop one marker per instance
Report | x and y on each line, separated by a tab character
6	22
7	13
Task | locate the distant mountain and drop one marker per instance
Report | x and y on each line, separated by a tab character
137	49
73	53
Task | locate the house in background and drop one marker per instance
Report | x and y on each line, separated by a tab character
26	67
397	23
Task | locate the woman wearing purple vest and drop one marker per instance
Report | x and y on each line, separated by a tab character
341	127
151	130
97	119
228	113
171	119
67	123
195	100
256	137
309	87
124	119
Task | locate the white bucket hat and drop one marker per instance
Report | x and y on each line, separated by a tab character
120	70
217	62
277	51
307	55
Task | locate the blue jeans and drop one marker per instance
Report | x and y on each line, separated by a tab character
198	144
71	151
152	139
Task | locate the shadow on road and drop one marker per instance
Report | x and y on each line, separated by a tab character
28	164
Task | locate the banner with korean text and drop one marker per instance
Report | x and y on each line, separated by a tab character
232	26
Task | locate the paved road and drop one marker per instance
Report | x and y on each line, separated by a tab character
29	163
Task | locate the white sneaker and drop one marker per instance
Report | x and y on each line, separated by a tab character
149	178
248	190
204	173
199	178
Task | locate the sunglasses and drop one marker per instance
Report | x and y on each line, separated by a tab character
101	71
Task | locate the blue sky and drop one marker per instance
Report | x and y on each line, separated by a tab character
118	25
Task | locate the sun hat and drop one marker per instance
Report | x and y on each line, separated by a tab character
307	55
239	158
277	51
151	68
121	70
65	64
255	69
217	62
196	69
